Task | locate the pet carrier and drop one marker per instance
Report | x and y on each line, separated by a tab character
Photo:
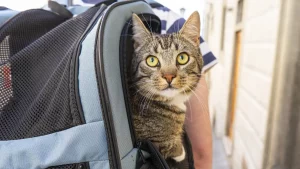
63	92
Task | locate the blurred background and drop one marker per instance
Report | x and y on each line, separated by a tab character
254	105
253	90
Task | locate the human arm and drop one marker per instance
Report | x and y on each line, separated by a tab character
198	126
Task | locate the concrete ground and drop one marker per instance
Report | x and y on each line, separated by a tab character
219	156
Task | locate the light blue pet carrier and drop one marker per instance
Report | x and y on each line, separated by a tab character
63	92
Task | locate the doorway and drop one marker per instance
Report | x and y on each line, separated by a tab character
234	84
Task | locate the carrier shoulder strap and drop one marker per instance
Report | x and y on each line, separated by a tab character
154	4
59	9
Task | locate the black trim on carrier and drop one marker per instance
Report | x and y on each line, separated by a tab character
126	51
155	5
113	151
76	72
152	22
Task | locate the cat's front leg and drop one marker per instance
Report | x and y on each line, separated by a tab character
174	150
179	153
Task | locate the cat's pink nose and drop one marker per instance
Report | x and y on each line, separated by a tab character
169	77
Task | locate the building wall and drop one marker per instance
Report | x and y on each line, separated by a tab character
259	38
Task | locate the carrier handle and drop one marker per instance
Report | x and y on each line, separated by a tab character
59	9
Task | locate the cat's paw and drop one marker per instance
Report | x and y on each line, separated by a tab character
180	157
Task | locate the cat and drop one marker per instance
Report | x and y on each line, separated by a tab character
165	69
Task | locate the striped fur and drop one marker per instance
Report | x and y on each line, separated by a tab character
158	110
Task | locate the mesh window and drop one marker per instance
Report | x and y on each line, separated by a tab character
17	34
71	166
37	70
5	74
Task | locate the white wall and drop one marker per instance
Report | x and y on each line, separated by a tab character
21	5
219	75
259	47
259	40
189	5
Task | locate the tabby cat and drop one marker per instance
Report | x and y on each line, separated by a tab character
164	70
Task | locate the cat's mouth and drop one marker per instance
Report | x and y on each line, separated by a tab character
169	91
169	87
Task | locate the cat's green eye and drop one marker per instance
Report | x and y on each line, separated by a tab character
152	61
183	58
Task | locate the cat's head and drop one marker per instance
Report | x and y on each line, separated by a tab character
167	65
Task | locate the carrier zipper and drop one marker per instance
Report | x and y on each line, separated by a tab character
76	56
76	67
123	78
114	156
82	166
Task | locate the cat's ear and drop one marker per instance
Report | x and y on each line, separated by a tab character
140	32
191	28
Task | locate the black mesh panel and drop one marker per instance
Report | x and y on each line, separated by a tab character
71	166
37	94
16	34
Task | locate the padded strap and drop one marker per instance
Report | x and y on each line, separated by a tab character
3	8
106	2
154	4
59	9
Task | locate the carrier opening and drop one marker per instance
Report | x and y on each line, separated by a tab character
153	23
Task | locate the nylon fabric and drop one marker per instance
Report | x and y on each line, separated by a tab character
112	31
78	144
129	161
37	89
39	71
100	165
88	89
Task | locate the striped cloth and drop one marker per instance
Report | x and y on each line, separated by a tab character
172	22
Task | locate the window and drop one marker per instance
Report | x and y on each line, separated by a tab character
223	27
211	17
240	11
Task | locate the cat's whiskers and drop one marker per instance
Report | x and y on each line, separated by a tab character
143	95
138	84
201	87
141	104
191	113
205	105
141	88
135	93
149	100
202	107
203	96
145	99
